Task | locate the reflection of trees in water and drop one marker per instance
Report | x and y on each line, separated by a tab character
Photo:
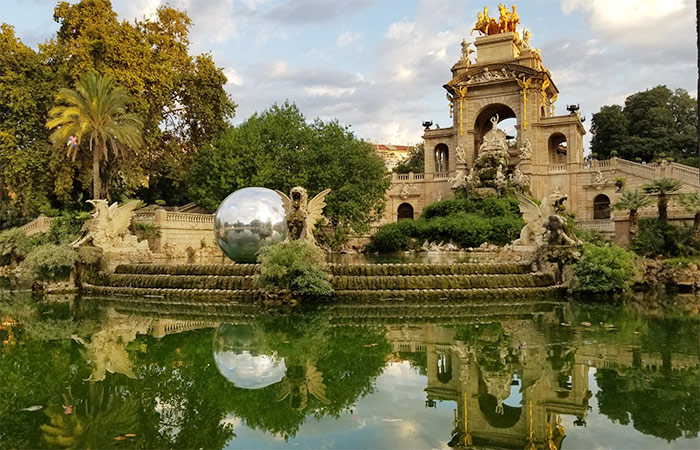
328	369
97	417
178	399
660	401
666	406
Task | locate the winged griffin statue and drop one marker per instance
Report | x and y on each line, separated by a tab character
302	214
543	223
108	224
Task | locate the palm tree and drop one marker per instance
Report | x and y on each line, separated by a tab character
95	110
691	202
661	187
632	201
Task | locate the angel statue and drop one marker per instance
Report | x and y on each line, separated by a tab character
302	215
544	224
108	224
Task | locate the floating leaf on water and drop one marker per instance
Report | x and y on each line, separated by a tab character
32	408
586	324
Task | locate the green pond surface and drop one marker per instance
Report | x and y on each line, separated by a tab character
116	372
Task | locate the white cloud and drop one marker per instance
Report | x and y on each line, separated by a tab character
212	20
232	77
401	31
348	38
330	91
637	23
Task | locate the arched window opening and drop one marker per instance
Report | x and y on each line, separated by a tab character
405	211
507	121
601	207
442	158
444	367
558	149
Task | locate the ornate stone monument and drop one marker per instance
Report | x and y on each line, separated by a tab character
109	230
302	214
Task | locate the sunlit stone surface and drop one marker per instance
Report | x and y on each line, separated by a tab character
237	359
248	220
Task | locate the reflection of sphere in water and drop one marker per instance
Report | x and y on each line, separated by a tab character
237	359
247	220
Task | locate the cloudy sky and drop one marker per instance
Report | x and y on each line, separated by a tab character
379	65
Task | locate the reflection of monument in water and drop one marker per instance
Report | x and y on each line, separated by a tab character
511	385
493	375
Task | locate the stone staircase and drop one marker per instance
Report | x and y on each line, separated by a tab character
351	282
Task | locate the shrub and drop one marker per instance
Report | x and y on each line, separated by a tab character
394	237
293	266
485	206
590	236
51	262
657	237
604	269
64	229
147	231
466	222
14	245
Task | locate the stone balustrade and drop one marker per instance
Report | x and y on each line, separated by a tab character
397	177
603	226
37	226
179	230
557	168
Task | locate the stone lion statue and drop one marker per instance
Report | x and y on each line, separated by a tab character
302	214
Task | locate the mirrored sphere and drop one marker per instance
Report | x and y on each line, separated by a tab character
248	220
238	360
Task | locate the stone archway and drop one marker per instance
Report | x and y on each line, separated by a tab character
482	124
558	148
444	367
442	158
601	207
404	211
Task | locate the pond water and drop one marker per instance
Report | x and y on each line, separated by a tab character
98	373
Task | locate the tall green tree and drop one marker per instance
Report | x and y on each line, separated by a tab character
609	130
662	187
653	124
278	149
179	96
32	175
95	112
632	200
414	163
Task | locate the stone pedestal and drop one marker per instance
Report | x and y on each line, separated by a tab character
496	48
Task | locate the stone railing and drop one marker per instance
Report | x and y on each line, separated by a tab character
442	175
179	230
557	168
686	174
599	225
37	226
206	219
396	177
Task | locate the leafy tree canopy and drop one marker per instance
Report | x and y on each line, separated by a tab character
278	149
653	124
179	97
415	162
